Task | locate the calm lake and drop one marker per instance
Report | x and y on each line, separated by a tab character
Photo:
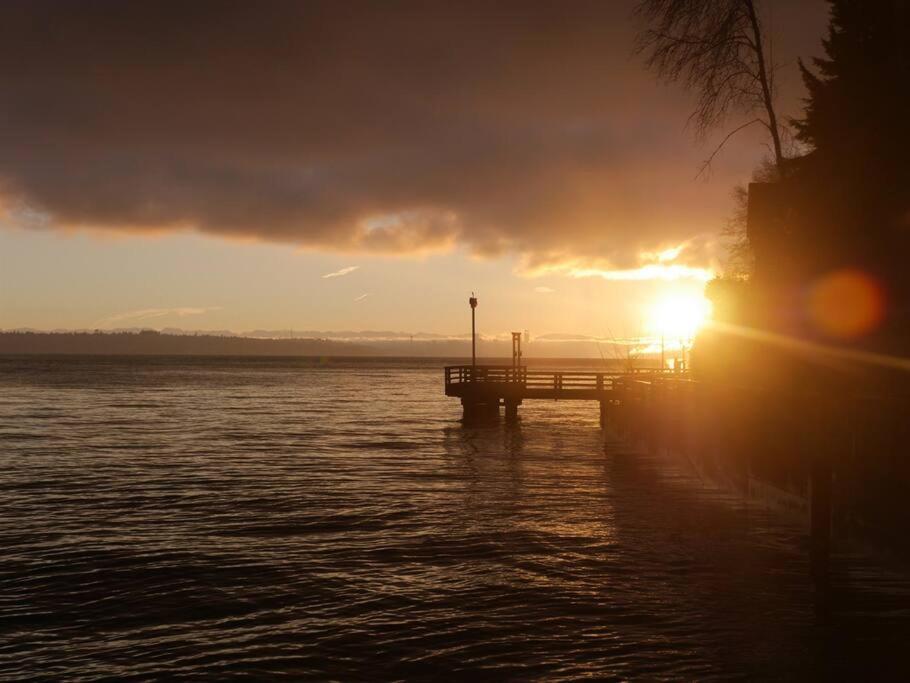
166	518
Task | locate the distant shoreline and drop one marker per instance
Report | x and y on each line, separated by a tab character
153	343
318	359
150	343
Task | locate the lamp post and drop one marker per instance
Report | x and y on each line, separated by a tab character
473	302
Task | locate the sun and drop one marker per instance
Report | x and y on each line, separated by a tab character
679	316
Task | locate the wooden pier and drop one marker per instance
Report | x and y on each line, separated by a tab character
666	410
483	389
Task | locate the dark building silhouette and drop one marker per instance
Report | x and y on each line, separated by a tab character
809	378
831	237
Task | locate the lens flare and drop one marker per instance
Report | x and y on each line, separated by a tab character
679	316
846	304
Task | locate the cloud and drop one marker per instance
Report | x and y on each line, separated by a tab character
679	262
362	297
524	128
544	290
152	313
654	271
341	272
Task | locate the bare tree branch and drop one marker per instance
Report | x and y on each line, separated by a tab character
718	49
707	162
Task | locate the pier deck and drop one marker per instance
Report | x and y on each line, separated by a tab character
484	388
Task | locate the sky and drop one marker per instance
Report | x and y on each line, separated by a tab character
354	166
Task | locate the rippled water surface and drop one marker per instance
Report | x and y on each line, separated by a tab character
165	518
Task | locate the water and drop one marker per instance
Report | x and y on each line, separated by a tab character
166	518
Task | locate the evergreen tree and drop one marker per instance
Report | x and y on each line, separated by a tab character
857	117
855	181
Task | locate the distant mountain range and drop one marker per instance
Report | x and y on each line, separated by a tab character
153	343
342	335
171	341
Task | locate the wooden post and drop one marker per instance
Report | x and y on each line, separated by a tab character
516	350
474	411
511	410
603	413
473	303
820	492
820	515
651	414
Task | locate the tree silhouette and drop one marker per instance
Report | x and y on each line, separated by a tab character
719	49
856	122
740	258
858	104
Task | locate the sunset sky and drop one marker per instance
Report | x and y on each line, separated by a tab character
339	166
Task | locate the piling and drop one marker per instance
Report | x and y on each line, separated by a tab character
820	518
479	411
825	428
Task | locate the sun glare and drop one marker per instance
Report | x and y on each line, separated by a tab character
679	316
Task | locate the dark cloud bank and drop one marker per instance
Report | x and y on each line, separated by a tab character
385	126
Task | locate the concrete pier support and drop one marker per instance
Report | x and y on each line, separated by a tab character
831	432
820	518
479	411
604	413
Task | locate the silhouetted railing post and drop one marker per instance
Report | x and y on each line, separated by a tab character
824	436
473	303
599	384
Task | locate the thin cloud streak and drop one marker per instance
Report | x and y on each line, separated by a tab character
341	272
362	297
153	313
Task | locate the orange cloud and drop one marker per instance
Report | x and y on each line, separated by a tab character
395	129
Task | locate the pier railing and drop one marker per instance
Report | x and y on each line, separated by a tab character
520	382
562	380
459	374
586	379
